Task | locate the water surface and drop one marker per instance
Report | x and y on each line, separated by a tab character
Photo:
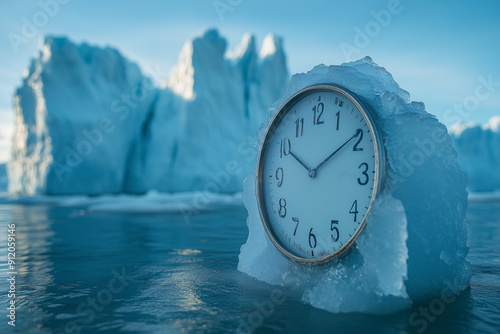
85	272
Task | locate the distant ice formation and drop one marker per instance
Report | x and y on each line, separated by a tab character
415	242
89	122
478	150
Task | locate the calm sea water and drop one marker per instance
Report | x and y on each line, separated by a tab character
85	272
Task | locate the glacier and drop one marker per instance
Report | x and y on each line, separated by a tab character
415	243
88	121
478	150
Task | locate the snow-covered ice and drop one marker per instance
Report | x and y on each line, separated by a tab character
88	121
478	150
414	245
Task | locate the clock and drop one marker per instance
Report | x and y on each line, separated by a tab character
320	167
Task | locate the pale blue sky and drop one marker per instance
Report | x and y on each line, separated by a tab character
435	49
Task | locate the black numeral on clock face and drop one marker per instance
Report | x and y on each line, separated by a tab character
317	113
336	234
282	209
364	179
359	134
354	210
296	220
279	176
285	147
299	127
312	239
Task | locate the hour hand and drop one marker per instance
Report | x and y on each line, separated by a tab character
301	162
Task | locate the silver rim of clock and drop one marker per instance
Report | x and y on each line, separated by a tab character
380	165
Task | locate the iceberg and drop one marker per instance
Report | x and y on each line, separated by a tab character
88	121
478	153
77	114
202	129
415	241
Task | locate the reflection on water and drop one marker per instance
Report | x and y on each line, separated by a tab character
84	272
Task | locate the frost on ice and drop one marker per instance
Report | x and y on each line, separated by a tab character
414	244
478	150
88	121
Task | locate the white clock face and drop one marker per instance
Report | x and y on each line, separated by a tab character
318	173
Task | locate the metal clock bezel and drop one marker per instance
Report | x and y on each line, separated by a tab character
380	165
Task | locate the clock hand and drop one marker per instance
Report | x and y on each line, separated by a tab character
334	152
300	162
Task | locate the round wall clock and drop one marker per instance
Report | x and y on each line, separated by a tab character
320	167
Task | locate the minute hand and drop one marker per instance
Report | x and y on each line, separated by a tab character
335	152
